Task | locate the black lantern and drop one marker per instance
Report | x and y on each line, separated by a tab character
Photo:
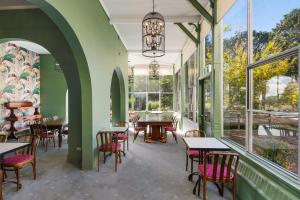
153	34
154	70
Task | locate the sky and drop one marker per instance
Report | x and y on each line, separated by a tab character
266	14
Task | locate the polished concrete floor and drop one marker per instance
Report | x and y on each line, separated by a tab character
149	171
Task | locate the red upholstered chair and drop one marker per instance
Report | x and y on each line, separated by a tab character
137	128
22	158
123	137
43	134
217	168
172	128
193	154
106	144
1	184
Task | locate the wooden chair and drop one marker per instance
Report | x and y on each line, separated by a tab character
22	158
123	137
44	136
3	137
217	168
106	144
138	129
193	154
172	128
1	184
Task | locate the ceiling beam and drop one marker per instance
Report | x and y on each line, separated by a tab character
139	19
188	33
202	11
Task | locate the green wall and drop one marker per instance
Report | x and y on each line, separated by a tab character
53	88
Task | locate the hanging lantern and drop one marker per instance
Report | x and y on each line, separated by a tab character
153	27
131	74
154	70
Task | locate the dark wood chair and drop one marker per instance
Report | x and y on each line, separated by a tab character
123	137
193	154
138	129
44	136
217	168
106	144
22	158
1	184
172	128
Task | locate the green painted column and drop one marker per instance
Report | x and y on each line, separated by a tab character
217	125
183	91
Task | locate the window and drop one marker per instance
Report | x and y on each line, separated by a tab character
235	63
151	94
191	87
208	53
273	82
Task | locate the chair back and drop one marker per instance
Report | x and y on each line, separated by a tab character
222	163
3	137
28	138
195	133
65	129
103	138
175	121
122	124
38	129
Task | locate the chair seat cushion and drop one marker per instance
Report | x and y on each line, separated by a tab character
171	129
17	160
110	146
122	136
209	172
192	153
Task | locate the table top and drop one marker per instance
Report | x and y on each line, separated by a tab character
55	123
205	143
9	147
115	129
155	118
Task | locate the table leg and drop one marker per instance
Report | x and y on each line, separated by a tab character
59	138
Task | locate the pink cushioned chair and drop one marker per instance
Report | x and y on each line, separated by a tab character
123	137
193	154
217	168
106	144
1	183
138	129
172	128
22	158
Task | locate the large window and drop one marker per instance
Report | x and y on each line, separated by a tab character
235	63
272	89
148	94
191	87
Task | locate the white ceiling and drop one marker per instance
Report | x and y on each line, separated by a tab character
127	16
31	46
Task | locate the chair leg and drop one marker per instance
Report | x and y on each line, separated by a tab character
186	162
204	189
120	156
124	145
199	185
127	144
116	161
98	161
104	158
175	136
234	189
46	148
192	164
18	178
34	170
222	189
54	141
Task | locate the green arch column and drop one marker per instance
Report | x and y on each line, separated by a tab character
34	25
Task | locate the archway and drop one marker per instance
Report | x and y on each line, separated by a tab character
35	26
118	103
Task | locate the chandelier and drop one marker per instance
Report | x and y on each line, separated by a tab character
131	74
153	34
154	70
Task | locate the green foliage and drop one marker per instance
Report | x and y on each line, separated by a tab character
36	91
9	89
36	65
9	57
153	105
24	75
166	83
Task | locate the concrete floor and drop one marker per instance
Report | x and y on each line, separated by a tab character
149	171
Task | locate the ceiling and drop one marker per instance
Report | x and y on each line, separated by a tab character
31	47
127	16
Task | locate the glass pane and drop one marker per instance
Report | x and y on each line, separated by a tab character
208	53
275	137
166	83
166	102
207	99
235	62
131	100
139	101
153	101
276	31
130	86
275	86
153	85
140	83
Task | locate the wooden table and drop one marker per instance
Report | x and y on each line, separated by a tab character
6	148
156	123
203	144
56	125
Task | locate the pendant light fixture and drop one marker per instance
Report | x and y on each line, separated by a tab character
153	36
154	70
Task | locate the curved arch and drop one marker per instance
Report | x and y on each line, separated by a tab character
118	96
37	26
